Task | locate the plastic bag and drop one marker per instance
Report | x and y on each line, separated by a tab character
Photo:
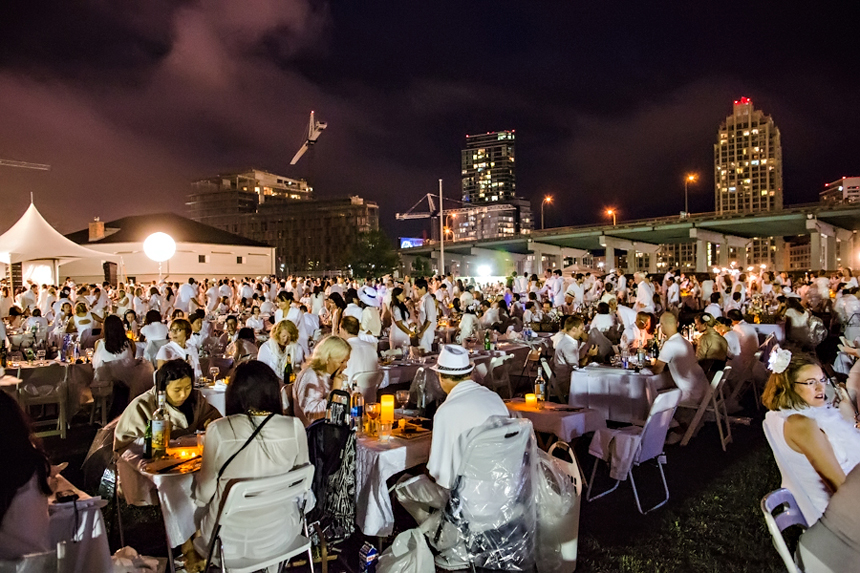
817	331
559	486
408	554
492	503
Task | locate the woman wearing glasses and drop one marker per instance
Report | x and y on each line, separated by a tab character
817	446
179	347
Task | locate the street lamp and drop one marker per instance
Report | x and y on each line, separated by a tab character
547	199
611	212
689	178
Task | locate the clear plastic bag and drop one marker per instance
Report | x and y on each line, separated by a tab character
408	554
559	484
491	518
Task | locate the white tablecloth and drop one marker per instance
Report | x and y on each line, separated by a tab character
553	419
765	330
173	493
620	395
217	396
375	463
84	534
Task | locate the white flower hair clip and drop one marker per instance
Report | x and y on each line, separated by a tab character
778	360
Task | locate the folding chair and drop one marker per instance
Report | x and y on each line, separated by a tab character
712	401
789	514
248	531
368	383
31	395
652	437
500	370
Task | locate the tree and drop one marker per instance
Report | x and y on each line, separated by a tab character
372	255
421	267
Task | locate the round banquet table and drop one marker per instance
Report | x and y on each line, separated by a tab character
620	395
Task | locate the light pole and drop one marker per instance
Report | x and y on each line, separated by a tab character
547	199
689	178
611	212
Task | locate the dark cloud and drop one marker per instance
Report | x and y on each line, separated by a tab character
611	102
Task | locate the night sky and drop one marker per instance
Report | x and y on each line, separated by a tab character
612	102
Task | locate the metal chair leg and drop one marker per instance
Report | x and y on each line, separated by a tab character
665	489
591	483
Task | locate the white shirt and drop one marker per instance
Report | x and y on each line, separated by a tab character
427	313
674	294
361	359
353	310
748	338
714	310
688	376
467	406
568	351
644	297
255	323
603	322
154	331
271	355
172	351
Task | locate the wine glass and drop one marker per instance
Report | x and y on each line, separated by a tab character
214	371
372	410
402	397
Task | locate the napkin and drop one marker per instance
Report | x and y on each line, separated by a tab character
392	352
127	560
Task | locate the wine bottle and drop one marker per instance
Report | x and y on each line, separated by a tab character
147	441
356	408
160	429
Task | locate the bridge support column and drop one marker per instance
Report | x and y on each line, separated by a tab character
830	253
701	256
815	250
610	258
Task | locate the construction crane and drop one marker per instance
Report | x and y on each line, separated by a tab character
315	128
441	212
24	165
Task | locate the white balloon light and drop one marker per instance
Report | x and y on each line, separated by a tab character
159	247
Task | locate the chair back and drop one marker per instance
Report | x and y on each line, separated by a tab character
46	562
657	425
787	514
719	379
254	515
151	350
773	430
492	499
500	366
368	384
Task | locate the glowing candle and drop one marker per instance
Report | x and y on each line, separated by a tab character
387	409
531	400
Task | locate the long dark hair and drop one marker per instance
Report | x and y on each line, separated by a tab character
114	330
151	316
395	302
337	300
254	386
21	448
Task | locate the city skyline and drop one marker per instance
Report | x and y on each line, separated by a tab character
612	106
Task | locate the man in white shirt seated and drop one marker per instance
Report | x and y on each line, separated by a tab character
714	309
363	356
571	352
680	356
468	405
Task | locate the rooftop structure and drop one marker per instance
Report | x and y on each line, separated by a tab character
845	190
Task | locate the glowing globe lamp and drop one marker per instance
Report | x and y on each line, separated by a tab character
159	247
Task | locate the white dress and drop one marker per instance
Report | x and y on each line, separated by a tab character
397	338
172	351
843	438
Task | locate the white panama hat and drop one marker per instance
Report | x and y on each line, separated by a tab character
368	296
453	360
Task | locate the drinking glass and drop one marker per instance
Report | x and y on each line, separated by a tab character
89	355
214	371
402	397
384	431
372	410
40	355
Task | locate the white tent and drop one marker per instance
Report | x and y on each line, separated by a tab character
32	239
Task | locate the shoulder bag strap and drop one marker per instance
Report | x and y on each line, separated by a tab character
236	453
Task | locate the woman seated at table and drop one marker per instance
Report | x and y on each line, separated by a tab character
153	328
469	324
129	321
186	409
24	487
83	320
711	348
282	347
255	321
178	347
252	402
244	348
796	321
603	320
816	444
322	373
115	345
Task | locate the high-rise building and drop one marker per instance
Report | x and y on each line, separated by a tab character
748	170
488	167
841	191
748	162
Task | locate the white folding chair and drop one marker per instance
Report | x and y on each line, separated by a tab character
151	350
368	384
46	562
652	438
42	395
712	401
778	521
249	529
500	371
